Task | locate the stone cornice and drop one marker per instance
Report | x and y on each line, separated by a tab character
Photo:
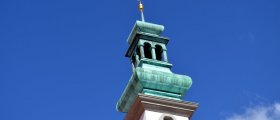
158	104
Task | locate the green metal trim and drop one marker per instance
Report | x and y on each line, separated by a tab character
155	63
145	27
162	94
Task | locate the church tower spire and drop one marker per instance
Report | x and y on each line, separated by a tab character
153	92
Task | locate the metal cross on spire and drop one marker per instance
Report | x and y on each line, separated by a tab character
141	8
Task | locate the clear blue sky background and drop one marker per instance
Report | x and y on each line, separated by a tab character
64	59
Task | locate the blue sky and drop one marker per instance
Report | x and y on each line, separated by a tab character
64	59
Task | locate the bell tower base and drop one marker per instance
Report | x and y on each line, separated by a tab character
147	107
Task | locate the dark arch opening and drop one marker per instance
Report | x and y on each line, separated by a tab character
167	118
147	50
133	60
138	53
158	52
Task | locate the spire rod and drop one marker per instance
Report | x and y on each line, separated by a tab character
141	8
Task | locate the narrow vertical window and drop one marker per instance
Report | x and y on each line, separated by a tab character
147	50
133	60
159	52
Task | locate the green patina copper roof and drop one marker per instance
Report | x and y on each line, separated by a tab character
153	82
145	27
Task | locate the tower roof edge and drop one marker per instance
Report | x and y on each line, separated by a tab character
145	27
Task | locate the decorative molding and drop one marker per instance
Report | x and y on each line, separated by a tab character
159	104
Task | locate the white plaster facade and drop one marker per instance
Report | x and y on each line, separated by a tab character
151	115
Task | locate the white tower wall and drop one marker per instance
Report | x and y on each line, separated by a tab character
151	115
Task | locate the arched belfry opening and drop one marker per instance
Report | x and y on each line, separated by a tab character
158	52
147	50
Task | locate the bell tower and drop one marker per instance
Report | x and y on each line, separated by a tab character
153	92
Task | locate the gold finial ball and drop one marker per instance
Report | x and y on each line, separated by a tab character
141	7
